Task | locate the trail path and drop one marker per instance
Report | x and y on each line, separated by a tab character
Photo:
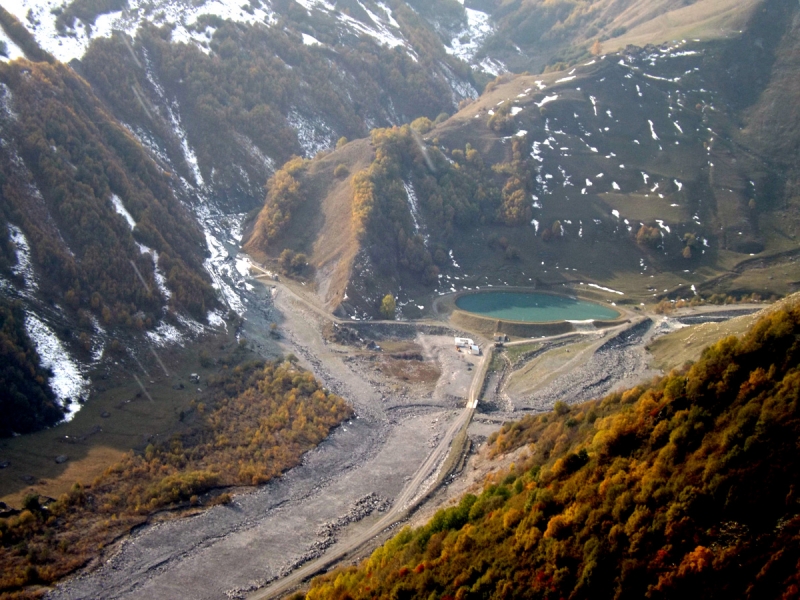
411	495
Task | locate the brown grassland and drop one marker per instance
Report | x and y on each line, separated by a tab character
257	421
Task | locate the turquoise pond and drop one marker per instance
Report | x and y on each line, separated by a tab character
533	307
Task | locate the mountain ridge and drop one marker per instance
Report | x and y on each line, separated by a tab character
692	184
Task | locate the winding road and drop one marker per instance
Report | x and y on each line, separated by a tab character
417	487
413	493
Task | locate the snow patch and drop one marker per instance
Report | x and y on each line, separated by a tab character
652	130
413	206
12	50
605	289
313	134
120	208
310	40
453	260
243	265
161	280
546	100
492	66
165	335
67	381
24	266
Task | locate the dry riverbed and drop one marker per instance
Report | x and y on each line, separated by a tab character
402	407
407	385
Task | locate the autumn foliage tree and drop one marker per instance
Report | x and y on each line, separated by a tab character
648	236
256	421
684	487
388	305
284	195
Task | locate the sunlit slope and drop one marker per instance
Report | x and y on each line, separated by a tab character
309	211
533	33
628	170
686	486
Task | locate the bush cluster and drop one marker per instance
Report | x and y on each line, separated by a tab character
257	421
686	487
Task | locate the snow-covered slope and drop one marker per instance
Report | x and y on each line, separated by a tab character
219	94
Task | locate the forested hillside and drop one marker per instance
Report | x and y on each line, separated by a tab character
94	238
685	487
93	204
255	422
630	170
259	97
26	402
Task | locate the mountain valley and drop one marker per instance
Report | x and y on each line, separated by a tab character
204	208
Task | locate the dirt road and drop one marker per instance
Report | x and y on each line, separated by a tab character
414	491
360	481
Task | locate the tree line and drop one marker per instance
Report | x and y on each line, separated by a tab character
686	486
256	421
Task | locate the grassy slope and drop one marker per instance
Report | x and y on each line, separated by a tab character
674	349
611	258
254	421
543	369
687	487
704	19
329	214
713	204
552	32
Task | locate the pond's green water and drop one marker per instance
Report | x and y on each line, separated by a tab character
533	307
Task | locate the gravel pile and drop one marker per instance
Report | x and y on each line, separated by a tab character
620	359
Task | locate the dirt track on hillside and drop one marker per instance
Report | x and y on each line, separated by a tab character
346	485
341	487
